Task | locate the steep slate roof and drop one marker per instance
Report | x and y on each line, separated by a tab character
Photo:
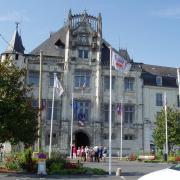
105	53
15	45
124	53
150	72
54	45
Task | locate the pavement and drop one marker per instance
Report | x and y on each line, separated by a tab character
131	170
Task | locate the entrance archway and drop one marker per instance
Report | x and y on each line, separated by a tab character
81	139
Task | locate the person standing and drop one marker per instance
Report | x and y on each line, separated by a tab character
74	151
104	154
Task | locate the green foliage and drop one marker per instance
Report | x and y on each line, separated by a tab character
55	167
80	171
11	162
26	161
22	160
178	152
56	161
18	119
159	155
154	161
58	164
171	159
97	171
173	123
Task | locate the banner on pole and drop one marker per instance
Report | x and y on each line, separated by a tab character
58	87
120	63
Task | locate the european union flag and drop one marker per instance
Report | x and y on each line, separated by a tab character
75	105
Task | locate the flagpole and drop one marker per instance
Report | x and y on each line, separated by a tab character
178	77
110	111
72	117
165	110
52	114
39	146
121	128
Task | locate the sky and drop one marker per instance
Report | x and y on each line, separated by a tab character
149	30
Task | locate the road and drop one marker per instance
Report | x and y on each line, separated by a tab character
130	171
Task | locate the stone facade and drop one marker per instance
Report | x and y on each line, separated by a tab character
80	57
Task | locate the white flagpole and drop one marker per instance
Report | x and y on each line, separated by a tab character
52	114
72	117
178	76
110	110
121	128
165	110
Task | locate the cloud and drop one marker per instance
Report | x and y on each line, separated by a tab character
168	13
19	16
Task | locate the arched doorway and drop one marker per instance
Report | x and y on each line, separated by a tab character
81	139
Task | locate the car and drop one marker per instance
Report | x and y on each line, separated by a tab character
172	173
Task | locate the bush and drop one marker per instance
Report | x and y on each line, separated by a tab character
26	161
11	162
171	159
82	170
57	161
159	155
56	167
70	165
98	171
132	157
177	158
153	161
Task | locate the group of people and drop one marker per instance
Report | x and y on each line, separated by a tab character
89	154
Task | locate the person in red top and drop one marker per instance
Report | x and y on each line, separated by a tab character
74	152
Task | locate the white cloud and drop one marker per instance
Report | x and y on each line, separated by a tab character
170	12
15	16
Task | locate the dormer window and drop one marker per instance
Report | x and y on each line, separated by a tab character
159	81
59	44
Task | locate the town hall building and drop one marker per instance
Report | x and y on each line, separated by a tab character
80	56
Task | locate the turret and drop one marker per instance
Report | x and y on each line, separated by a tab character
15	50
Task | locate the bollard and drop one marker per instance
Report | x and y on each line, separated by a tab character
118	172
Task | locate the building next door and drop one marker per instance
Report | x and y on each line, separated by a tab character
81	139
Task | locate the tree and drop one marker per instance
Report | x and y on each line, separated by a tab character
173	126
18	119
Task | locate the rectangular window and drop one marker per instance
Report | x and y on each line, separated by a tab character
129	114
106	82
82	78
51	78
82	110
129	137
54	139
86	52
16	56
80	53
106	113
159	81
129	84
178	103
33	78
159	99
83	53
49	110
